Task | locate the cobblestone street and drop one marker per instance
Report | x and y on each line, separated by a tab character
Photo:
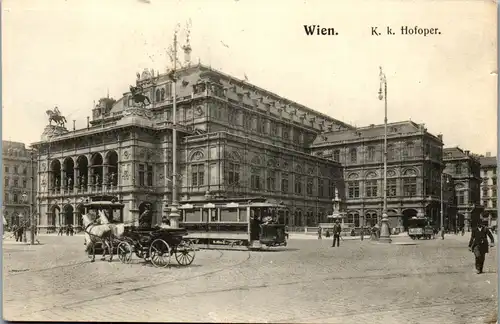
309	281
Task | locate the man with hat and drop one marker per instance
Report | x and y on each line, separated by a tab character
478	244
337	229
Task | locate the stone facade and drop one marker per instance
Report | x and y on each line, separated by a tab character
234	140
489	187
413	176
464	167
17	172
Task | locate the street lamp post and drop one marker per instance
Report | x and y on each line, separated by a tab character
174	213
24	198
385	233
442	206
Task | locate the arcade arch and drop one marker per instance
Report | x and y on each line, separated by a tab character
68	215
97	170
111	172
82	171
68	173
55	175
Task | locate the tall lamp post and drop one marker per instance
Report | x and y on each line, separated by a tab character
442	204
24	198
174	212
385	233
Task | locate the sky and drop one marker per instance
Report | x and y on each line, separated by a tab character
71	53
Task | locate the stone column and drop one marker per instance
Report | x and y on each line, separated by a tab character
105	177
76	183
90	181
62	183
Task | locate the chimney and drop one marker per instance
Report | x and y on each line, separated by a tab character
372	125
488	154
440	136
466	152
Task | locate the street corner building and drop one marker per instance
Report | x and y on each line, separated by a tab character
414	168
17	187
465	169
236	141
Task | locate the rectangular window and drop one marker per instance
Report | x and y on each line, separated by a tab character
494	181
6	169
284	183
353	189
391	188
6	182
15	198
485	192
336	155
6	197
197	175
494	171
493	192
371	188
298	184
16	183
331	189
371	154
460	197
321	187
15	169
24	183
150	175
141	175
494	204
353	155
485	203
409	187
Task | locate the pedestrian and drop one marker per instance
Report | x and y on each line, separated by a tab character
478	244
463	230
337	229
319	233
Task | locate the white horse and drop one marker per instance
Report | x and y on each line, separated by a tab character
116	229
97	233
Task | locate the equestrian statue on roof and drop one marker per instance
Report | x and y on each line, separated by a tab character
56	116
138	97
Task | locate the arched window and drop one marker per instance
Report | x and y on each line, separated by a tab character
458	169
162	94
157	97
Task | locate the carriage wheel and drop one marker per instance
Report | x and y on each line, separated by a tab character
159	252
124	251
185	253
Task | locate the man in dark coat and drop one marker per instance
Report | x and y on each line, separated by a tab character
478	244
337	229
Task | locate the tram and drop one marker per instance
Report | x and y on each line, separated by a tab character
419	228
239	223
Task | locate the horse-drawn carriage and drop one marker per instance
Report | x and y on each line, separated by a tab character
105	230
157	245
240	224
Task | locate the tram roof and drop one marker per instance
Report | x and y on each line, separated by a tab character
105	204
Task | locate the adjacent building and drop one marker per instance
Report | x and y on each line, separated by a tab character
235	140
17	184
489	187
414	159
464	168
